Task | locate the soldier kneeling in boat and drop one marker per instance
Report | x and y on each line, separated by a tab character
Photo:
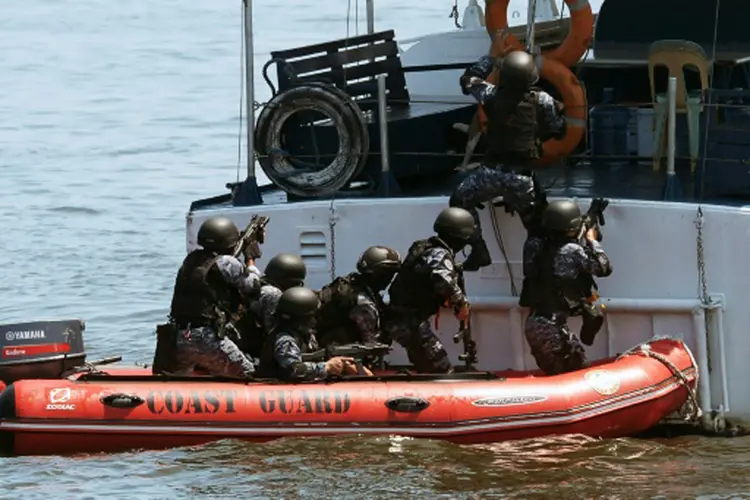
294	335
282	272
520	117
559	275
427	281
351	306
209	289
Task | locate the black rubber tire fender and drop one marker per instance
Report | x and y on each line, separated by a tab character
346	116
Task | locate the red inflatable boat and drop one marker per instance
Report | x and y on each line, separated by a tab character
117	409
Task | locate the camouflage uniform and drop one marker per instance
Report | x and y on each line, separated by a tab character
366	315
413	303
264	306
492	179
555	348
200	345
282	357
258	319
203	348
350	313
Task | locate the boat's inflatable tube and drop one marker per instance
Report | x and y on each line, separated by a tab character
574	98
573	47
111	412
347	118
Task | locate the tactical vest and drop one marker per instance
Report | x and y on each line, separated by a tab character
546	292
413	289
268	367
201	293
250	324
336	301
513	128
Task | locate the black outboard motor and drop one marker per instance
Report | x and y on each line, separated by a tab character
40	349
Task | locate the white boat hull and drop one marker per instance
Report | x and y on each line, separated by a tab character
653	291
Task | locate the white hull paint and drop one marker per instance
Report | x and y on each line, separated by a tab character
654	290
453	47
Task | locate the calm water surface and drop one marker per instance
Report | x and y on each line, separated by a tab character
113	117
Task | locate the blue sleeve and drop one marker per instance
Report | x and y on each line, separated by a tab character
288	356
574	259
553	121
474	80
366	316
597	262
443	275
245	279
269	299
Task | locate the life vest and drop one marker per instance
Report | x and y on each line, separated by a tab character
337	299
513	128
544	291
250	322
413	288
201	294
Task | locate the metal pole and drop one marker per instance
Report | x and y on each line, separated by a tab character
553	8
671	125
370	16
530	26
249	87
383	122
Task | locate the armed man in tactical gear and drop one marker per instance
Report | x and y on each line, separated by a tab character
294	335
282	272
560	269
520	117
209	289
351	306
427	281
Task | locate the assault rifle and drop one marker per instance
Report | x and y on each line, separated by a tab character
356	351
594	218
251	238
591	315
469	356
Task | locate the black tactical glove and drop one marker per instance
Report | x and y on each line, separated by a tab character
465	80
252	251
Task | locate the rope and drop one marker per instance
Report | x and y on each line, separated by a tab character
85	368
332	207
694	411
501	244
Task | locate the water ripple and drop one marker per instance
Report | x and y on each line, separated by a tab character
115	119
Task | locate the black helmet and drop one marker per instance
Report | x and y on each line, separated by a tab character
455	223
297	303
378	259
218	234
518	70
562	216
286	270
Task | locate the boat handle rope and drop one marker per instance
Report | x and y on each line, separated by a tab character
694	411
122	401
91	367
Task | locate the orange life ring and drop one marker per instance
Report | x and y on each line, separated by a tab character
574	99
573	47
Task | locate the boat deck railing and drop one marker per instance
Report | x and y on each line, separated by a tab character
619	156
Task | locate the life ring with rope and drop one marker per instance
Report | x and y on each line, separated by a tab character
574	99
294	175
573	47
